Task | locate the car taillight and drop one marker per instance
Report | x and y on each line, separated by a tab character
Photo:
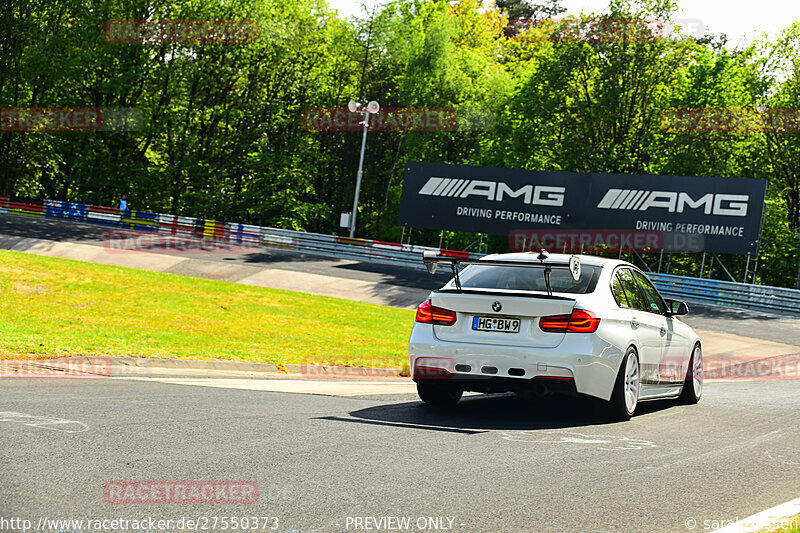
583	321
580	321
430	314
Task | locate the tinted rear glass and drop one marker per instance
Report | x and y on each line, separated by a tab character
529	279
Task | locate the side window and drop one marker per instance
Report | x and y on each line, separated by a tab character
635	297
655	304
619	294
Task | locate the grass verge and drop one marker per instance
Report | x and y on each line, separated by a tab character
53	307
792	526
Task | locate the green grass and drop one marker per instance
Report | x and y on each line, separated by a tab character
793	526
54	307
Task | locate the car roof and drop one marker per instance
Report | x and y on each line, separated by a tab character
527	257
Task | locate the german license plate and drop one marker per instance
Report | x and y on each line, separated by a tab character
488	323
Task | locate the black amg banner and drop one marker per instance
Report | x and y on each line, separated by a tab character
574	212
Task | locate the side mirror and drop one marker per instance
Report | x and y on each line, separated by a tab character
676	308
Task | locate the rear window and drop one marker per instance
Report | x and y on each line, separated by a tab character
529	279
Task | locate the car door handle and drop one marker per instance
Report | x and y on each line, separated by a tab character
663	331
634	323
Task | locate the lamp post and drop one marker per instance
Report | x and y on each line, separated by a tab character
370	109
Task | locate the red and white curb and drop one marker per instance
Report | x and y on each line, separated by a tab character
777	517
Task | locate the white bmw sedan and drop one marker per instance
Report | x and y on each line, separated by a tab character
546	324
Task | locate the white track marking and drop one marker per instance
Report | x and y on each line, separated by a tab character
602	442
769	519
44	422
297	386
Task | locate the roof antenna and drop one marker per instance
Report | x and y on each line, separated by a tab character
542	255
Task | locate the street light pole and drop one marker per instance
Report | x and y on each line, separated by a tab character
358	176
370	109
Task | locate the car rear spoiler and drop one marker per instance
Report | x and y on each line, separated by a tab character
431	260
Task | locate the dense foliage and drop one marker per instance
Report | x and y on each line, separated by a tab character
223	135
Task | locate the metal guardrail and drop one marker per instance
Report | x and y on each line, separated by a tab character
229	232
699	290
729	294
354	249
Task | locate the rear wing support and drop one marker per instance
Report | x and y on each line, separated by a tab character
431	260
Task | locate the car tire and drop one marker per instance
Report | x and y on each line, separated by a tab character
439	392
625	397
693	382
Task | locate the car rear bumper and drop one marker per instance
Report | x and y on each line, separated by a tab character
582	363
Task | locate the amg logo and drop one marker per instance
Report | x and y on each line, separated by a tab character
493	190
733	205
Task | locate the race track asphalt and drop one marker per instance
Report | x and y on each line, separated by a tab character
494	463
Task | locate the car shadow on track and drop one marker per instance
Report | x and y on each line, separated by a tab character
480	413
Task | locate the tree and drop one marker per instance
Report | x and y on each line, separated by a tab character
525	9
